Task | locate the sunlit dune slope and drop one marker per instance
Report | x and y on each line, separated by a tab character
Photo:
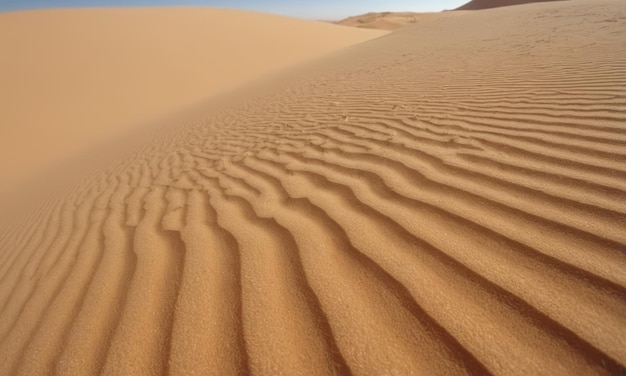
384	20
71	78
448	199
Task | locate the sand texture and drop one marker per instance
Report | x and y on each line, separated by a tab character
384	20
487	4
447	199
82	76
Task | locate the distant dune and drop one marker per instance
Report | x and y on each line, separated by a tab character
486	4
448	199
80	76
383	20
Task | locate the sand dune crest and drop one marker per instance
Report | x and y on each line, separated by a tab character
486	4
436	201
384	20
83	76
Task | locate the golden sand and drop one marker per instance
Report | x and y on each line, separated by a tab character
73	79
446	199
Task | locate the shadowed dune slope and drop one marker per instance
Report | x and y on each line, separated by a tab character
486	4
447	199
80	76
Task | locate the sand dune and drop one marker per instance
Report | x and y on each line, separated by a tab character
486	4
384	20
81	76
447	199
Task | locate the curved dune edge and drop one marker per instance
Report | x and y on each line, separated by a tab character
437	201
487	4
83	76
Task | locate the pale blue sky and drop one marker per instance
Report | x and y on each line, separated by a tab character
313	9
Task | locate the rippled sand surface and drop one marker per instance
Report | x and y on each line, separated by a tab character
446	199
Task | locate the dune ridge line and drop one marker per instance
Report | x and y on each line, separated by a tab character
446	199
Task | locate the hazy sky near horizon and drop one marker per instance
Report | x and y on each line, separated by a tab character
311	9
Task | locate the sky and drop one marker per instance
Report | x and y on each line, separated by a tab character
310	9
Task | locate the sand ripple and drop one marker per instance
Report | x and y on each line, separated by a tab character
447	199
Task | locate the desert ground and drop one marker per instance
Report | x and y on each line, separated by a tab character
384	20
82	76
447	198
488	4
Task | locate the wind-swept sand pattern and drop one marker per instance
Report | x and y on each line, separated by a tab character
446	199
83	76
